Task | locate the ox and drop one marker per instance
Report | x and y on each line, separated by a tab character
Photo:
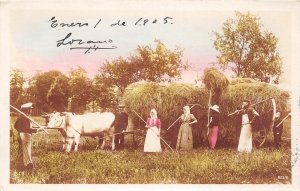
89	124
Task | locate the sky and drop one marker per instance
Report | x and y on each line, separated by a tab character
33	42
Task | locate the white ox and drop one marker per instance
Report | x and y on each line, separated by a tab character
89	124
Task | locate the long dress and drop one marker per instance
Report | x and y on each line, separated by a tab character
152	141
185	135
245	141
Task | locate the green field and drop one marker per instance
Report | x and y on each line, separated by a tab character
200	166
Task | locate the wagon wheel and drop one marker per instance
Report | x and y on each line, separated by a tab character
259	137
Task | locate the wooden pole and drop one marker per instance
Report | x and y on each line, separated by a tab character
283	119
154	131
179	117
29	118
250	105
208	113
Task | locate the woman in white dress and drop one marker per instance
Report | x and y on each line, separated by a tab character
152	141
248	115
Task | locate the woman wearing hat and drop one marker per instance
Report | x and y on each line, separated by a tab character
24	128
185	136
152	141
213	126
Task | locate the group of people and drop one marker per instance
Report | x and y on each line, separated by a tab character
246	114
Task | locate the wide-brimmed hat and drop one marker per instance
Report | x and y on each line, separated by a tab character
215	108
27	106
121	106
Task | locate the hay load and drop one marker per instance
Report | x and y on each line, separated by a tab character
216	82
245	88
169	101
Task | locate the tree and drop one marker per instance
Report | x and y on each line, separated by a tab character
17	92
80	90
58	93
119	72
158	65
247	50
49	90
103	96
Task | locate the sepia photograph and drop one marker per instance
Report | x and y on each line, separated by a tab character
150	95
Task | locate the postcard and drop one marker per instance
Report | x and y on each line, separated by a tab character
197	95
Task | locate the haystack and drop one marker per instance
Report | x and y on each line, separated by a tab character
169	100
254	91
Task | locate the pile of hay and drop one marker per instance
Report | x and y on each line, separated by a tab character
169	101
216	82
253	91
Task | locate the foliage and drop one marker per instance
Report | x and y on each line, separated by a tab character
58	93
49	90
247	50
17	92
157	64
80	90
103	95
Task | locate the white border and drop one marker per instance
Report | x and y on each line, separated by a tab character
7	6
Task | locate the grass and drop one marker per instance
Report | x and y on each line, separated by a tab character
200	166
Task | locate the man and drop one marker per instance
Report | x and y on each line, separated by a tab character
277	130
24	128
121	123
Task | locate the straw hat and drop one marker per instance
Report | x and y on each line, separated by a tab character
27	106
215	108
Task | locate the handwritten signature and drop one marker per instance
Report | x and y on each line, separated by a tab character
85	45
88	45
139	22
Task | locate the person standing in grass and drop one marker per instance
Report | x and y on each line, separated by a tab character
277	130
213	126
25	130
153	125
185	136
247	116
121	123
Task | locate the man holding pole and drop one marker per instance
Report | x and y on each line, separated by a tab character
24	127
